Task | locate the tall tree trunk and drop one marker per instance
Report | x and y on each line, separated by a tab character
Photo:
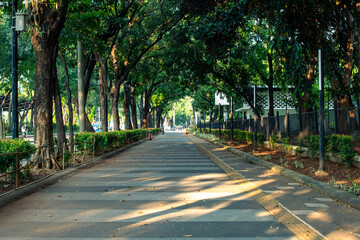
88	70
89	67
141	106
159	112
81	86
147	96
344	100
88	125
61	136
44	89
304	100
46	21
126	106
102	83
144	122
102	103
114	95
68	102
342	85
114	110
270	84
134	112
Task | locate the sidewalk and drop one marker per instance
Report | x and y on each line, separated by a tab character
334	220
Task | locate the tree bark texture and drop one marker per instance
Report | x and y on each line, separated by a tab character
341	86
147	97
68	102
102	107
134	112
270	84
102	82
81	86
88	126
140	107
87	71
344	100
44	89
126	106
134	118
159	113
46	21
61	136
304	100
114	110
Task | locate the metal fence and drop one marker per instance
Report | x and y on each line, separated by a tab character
296	126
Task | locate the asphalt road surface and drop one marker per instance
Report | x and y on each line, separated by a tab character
161	189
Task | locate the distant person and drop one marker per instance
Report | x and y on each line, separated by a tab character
24	130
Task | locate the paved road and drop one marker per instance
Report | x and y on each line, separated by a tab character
161	189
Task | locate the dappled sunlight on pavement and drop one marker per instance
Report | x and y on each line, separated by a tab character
323	215
162	189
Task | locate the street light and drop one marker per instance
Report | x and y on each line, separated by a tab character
17	26
15	117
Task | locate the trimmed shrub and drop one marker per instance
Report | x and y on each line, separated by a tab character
105	141
8	161
239	135
336	144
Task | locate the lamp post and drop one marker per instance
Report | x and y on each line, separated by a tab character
15	118
255	117
17	25
321	108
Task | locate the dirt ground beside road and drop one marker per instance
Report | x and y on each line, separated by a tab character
338	174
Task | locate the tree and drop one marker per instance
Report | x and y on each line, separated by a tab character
46	21
149	23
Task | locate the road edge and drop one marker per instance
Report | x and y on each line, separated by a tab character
301	229
322	187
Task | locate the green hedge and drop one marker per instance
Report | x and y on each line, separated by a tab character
336	144
105	141
239	135
8	161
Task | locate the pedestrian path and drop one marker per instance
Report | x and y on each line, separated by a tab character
161	189
329	218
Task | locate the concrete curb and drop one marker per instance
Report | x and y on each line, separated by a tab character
324	188
32	187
